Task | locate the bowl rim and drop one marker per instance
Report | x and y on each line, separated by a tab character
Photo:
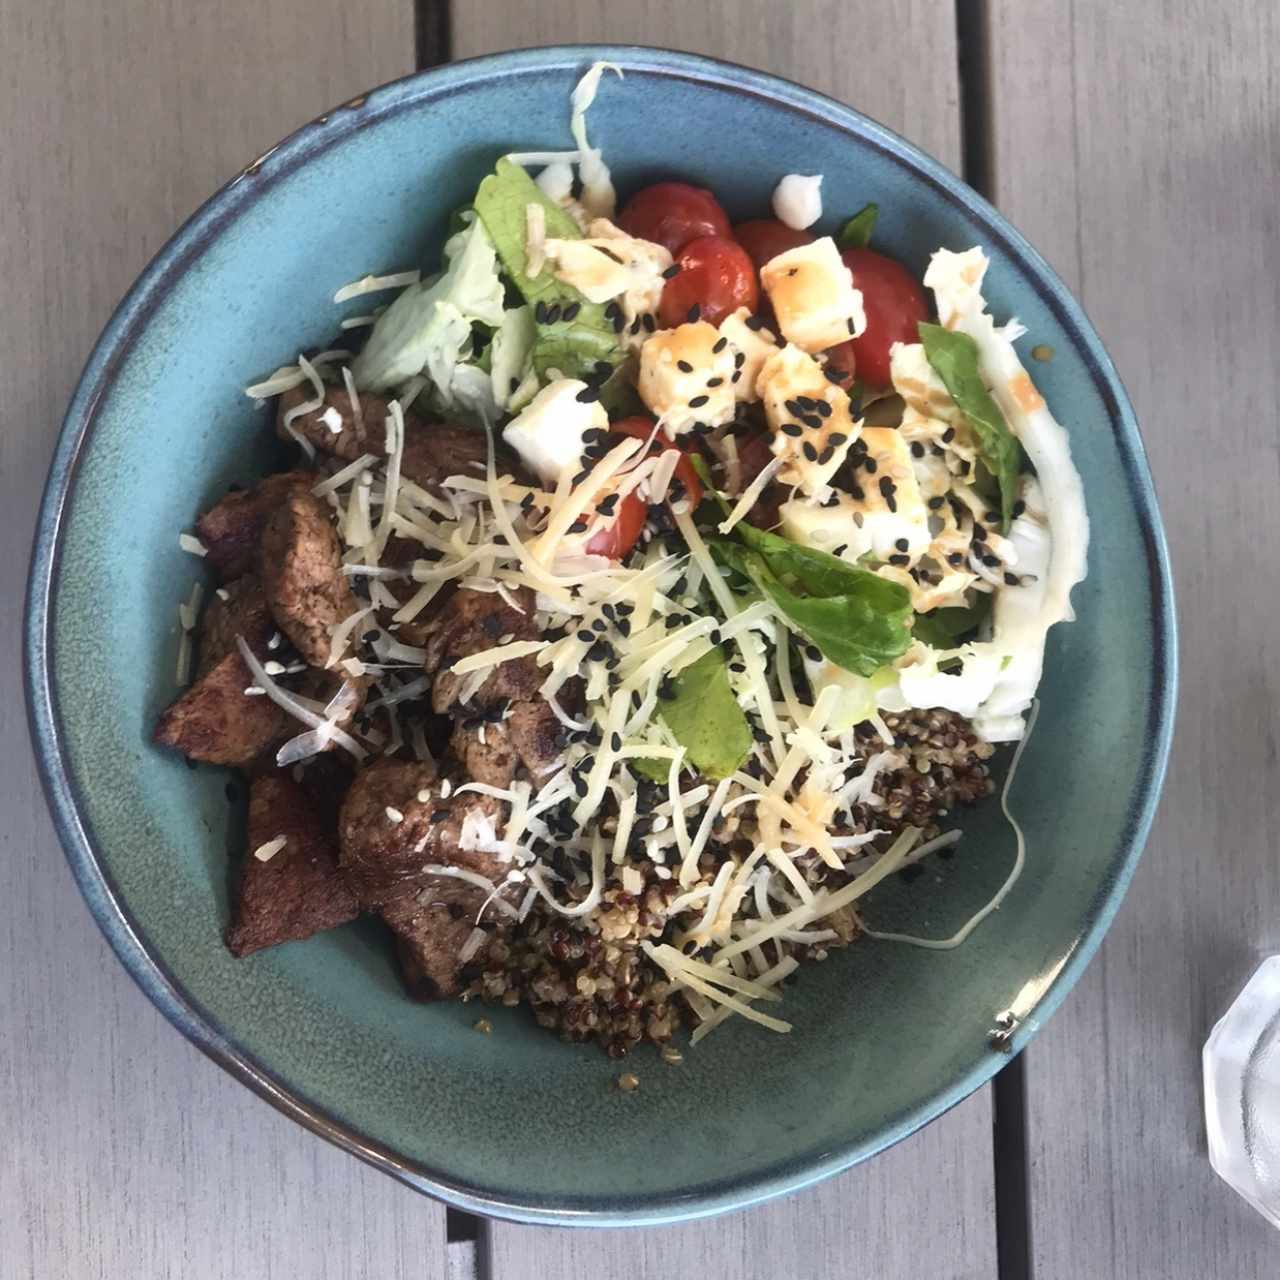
106	904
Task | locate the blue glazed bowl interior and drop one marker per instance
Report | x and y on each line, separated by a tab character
517	1123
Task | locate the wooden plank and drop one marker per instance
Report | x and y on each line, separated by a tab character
125	1151
1137	146
895	62
944	1174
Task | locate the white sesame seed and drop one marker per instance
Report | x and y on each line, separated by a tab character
393	815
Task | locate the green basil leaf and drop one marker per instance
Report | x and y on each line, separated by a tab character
954	357
856	619
945	628
573	347
856	233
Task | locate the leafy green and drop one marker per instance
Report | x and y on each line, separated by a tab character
704	717
576	346
954	357
945	628
428	327
857	619
856	233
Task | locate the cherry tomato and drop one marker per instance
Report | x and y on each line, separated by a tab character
716	276
894	303
621	535
765	238
672	214
640	428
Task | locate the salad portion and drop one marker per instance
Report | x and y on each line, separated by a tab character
646	589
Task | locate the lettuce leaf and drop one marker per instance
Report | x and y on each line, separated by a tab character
946	628
855	618
427	329
575	347
856	233
954	357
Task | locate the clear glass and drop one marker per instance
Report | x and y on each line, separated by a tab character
1242	1092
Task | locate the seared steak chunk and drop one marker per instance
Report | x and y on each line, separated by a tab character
470	622
215	721
302	574
299	890
536	735
431	936
486	755
240	610
230	529
432	451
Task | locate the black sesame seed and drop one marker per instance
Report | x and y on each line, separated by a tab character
615	742
812	421
823	408
855	492
612	310
956	558
900	560
826	455
720	345
813	653
755	323
837	438
571	311
1018	508
694	313
917	449
672	271
588	395
586	636
439	815
1012	580
739	359
650	324
578	526
870	464
698	401
581	476
936	503
991	516
992	562
714	382
513	386
526	502
553	313
737	373
809	451
902	544
540	312
849	322
684	366
793	407
792	429
636	324
618	320
948	435
607	505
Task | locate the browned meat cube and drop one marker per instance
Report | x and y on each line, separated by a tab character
299	890
432	451
388	836
240	610
431	936
536	735
302	574
230	529
215	721
490	758
470	622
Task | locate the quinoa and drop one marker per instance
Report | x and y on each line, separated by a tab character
588	979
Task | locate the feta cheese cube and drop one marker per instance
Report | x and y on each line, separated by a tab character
891	507
686	377
810	418
755	345
548	433
813	296
833	529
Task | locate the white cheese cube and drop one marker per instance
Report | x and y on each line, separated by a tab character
916	382
813	296
548	434
810	419
833	529
755	345
686	377
894	516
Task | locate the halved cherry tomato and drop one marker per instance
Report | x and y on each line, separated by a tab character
716	276
621	535
765	238
672	214
894	304
640	428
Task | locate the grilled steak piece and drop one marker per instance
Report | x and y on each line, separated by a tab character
472	621
432	451
384	854
216	722
490	758
430	937
240	611
299	891
390	842
230	529
536	735
301	566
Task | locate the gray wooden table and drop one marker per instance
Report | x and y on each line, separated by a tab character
1138	145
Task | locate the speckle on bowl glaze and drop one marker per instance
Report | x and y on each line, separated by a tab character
515	1123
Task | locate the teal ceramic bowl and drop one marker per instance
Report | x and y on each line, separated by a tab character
517	1124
